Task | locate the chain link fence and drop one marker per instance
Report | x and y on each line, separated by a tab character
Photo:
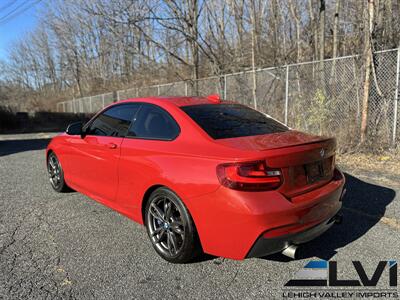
323	97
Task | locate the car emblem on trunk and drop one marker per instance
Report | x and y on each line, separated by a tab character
322	152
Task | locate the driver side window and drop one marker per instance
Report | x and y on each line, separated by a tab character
114	121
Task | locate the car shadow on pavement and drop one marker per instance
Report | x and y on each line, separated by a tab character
363	205
8	147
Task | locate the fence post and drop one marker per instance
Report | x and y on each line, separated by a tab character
286	94
102	99
225	86
396	99
186	88
158	90
90	104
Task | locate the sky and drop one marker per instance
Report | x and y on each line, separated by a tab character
16	18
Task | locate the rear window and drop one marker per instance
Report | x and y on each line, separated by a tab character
232	120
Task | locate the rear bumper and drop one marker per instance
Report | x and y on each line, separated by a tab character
231	222
265	246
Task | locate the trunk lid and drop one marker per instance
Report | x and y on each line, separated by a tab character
306	161
271	141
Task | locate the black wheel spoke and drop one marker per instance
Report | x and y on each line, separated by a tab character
173	243
175	227
156	212
169	244
157	231
52	165
168	211
160	236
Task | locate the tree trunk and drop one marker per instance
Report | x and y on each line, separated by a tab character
369	18
313	29
194	44
389	10
275	32
295	16
321	71
253	55
335	29
322	30
335	37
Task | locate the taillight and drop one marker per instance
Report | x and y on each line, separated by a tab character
249	176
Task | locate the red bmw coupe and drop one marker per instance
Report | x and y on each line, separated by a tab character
202	175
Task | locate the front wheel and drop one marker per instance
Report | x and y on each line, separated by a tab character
56	174
170	227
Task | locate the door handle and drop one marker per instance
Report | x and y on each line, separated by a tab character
112	145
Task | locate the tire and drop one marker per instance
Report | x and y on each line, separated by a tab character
56	174
170	227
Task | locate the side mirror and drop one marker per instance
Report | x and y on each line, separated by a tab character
75	128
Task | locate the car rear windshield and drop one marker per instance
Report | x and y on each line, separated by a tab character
222	121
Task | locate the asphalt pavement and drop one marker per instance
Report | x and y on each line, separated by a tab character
68	246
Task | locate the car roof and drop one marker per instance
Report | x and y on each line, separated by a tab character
176	100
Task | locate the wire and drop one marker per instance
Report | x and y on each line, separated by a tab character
7	5
14	13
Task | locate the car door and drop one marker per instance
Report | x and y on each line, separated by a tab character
96	155
149	140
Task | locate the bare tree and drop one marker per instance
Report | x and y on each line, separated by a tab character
336	29
335	37
369	21
83	47
296	18
314	30
322	8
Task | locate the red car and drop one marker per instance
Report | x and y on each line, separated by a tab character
202	175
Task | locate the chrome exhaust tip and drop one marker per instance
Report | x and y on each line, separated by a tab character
344	191
290	251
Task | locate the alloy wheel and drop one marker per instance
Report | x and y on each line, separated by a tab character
54	169
166	226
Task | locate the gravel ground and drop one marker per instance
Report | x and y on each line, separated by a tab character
69	246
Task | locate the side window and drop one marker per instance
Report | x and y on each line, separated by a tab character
114	121
155	123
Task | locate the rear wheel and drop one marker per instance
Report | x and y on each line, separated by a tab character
56	173
170	227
